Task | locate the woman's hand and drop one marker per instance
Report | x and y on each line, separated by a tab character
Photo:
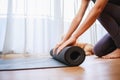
69	42
57	46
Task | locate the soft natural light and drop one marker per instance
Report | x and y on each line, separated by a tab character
35	26
3	7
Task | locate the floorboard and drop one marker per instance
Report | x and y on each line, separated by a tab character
93	68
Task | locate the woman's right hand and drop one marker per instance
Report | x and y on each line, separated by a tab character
57	46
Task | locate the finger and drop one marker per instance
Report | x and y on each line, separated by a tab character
66	44
58	50
54	50
61	47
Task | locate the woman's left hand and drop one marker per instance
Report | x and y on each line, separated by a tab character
71	41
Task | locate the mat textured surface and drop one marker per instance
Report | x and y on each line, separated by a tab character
29	63
70	56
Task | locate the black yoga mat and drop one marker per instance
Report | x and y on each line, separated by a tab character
29	63
71	55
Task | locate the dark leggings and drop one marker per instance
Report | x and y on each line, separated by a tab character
110	19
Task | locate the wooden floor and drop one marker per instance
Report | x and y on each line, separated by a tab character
92	68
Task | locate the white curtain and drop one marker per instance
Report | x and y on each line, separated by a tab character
35	26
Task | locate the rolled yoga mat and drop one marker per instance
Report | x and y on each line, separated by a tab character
71	55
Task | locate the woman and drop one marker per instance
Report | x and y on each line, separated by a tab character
107	12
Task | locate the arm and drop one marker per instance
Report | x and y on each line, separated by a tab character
91	17
77	19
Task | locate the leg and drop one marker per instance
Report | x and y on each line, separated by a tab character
104	46
110	19
113	10
88	48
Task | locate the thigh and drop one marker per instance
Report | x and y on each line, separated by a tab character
114	11
112	27
110	24
104	46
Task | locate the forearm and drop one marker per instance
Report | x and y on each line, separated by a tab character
77	19
91	17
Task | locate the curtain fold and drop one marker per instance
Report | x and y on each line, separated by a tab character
35	26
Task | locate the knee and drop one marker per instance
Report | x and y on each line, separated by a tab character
97	51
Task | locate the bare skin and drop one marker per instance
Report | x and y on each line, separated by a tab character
88	48
74	32
113	55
